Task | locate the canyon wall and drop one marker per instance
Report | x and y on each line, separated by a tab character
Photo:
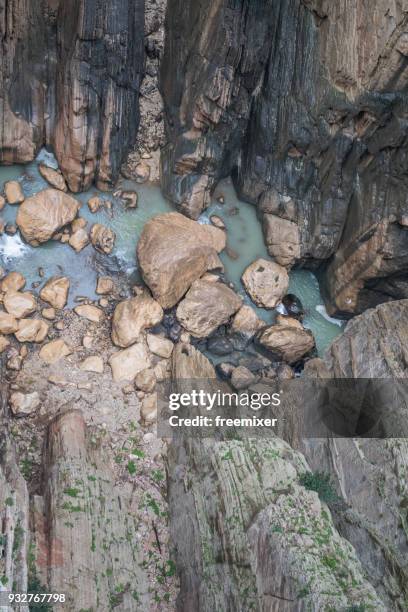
70	74
304	102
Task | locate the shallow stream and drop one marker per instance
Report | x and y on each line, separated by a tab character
244	238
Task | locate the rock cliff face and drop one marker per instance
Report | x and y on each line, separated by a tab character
70	74
305	102
247	534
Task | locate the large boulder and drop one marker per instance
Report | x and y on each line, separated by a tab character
173	252
132	316
288	341
206	306
31	330
40	216
19	304
266	282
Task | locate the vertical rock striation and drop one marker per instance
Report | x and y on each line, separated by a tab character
70	74
305	102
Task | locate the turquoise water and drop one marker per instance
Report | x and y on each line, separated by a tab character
243	230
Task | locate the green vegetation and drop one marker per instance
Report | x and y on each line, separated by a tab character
321	483
35	586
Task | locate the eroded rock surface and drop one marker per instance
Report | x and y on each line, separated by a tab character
304	103
173	252
71	79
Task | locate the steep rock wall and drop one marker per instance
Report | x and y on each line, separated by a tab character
316	136
70	74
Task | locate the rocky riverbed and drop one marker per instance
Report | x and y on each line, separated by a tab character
197	191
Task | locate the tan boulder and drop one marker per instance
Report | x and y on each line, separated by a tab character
79	240
8	323
290	321
19	304
94	204
93	364
78	223
53	177
174	251
132	316
40	216
31	330
162	347
242	378
14	192
287	342
54	351
206	306
55	291
128	363
24	404
265	282
87	311
2	202
102	238
104	285
4	343
282	238
246	322
14	281
146	380
49	313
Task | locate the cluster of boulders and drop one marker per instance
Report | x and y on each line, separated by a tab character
52	214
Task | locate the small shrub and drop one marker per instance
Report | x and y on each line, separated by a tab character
321	483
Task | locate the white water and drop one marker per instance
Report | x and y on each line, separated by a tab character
243	230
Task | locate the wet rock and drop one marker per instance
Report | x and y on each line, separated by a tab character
173	252
242	378
128	363
288	342
54	351
2	226
132	316
246	322
102	238
79	240
175	332
24	404
207	305
94	204
13	192
55	291
10	229
4	344
220	346
104	285
92	313
8	323
146	380
130	198
31	330
19	304
53	177
14	281
93	364
43	214
266	282
2	202
293	306
159	346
